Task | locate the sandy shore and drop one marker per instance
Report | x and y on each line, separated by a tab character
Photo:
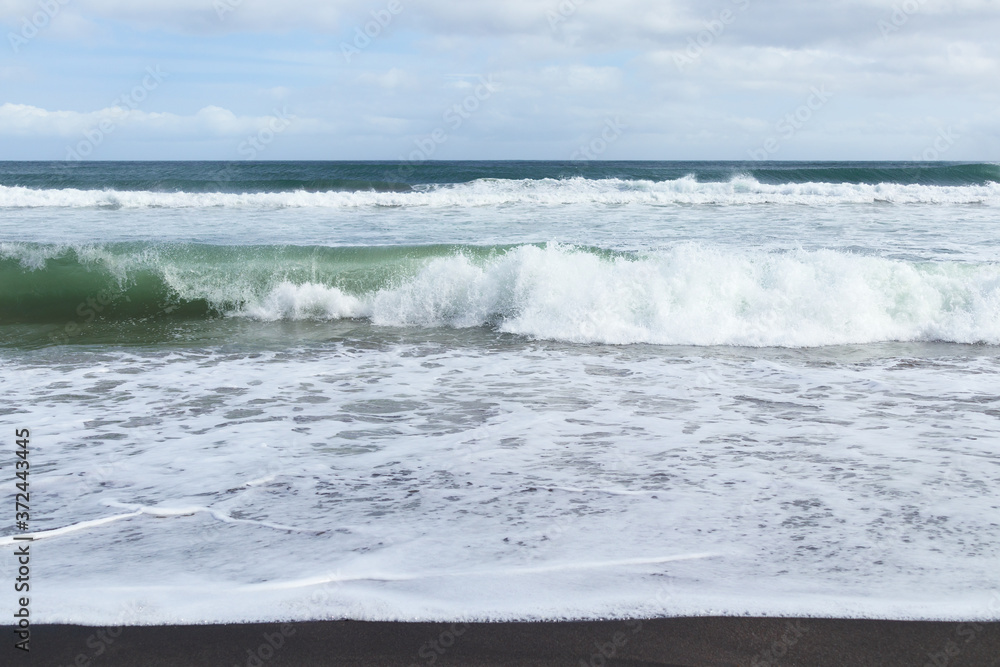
678	641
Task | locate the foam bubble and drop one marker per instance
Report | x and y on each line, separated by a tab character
297	302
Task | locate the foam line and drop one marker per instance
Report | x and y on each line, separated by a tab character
72	528
338	578
138	510
740	190
215	514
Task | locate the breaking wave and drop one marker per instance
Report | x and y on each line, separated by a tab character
684	295
739	190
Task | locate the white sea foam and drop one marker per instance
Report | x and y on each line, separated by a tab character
740	190
288	301
523	480
687	295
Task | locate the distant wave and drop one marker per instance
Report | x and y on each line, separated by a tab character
258	177
688	294
739	190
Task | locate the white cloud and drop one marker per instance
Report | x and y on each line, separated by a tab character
587	23
211	121
394	78
559	78
196	15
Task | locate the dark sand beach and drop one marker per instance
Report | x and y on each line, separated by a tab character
677	641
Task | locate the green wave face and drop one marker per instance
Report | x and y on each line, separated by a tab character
51	284
687	294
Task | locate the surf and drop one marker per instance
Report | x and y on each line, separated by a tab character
739	190
686	294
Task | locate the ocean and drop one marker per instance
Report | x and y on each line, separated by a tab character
503	390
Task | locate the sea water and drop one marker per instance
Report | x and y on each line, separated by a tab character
460	391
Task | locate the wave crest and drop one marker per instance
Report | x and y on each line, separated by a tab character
740	190
689	295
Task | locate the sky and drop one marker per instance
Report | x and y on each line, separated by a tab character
511	79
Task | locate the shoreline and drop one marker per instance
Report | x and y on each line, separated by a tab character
666	641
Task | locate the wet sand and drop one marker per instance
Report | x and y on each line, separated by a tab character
675	641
